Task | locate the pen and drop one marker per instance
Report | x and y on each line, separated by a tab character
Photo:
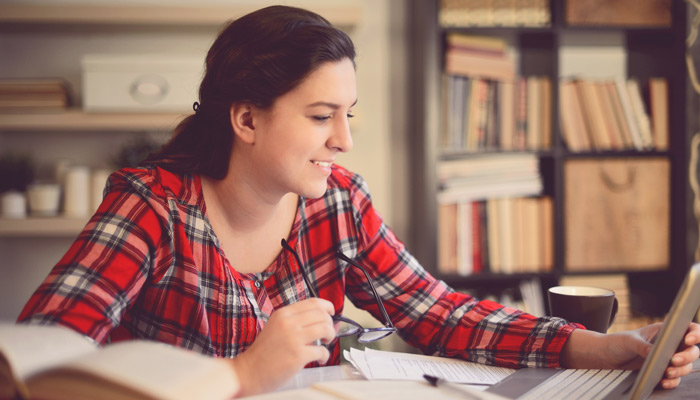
452	387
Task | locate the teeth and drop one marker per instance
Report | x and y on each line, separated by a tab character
323	163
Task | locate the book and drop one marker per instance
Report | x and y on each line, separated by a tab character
447	238
546	112
640	13
533	134
618	114
55	363
465	240
593	111
506	107
477	43
658	104
34	93
383	389
462	13
573	122
475	64
521	121
617	141
629	113
634	92
546	214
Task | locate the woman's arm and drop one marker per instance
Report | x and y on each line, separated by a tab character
103	271
627	350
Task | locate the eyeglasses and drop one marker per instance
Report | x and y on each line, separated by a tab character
345	326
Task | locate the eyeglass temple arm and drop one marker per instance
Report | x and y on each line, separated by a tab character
303	274
387	320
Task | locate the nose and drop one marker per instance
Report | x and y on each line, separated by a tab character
341	138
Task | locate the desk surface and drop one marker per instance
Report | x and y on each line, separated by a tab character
689	388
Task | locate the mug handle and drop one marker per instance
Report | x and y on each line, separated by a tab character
613	314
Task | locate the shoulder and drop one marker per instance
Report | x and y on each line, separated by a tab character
150	182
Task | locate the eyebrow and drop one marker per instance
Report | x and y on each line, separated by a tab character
328	104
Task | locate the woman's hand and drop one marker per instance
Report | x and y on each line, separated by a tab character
285	346
627	350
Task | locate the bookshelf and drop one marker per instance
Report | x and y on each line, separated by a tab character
78	29
541	51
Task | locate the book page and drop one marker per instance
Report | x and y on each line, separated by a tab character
389	365
295	394
34	348
404	390
154	369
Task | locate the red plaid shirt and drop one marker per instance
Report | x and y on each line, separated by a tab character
148	265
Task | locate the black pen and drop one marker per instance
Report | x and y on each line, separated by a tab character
452	387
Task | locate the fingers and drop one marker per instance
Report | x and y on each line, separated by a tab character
692	337
670	383
682	361
686	356
311	304
308	320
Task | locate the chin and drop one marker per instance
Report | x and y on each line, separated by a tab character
314	192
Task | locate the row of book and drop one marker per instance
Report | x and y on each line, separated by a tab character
537	13
482	114
461	13
39	93
486	105
483	176
500	235
613	114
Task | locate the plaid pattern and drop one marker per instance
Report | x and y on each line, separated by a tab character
148	265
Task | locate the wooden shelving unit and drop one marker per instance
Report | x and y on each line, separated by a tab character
650	52
32	15
78	120
41	227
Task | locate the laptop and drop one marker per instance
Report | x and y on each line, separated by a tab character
547	383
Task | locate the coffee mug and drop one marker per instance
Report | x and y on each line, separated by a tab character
595	308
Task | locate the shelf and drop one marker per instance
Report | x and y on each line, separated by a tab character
151	15
78	120
42	227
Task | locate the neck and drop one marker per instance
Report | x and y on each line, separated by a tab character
241	206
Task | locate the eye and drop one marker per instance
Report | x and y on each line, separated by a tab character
351	115
321	118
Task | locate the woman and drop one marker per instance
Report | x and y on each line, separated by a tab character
186	250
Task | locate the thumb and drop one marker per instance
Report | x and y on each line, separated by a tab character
640	346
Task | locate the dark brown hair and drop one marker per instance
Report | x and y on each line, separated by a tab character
255	59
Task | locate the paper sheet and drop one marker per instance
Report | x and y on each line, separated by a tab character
376	364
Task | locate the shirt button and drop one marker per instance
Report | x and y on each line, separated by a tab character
257	284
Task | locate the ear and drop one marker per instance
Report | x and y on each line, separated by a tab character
241	115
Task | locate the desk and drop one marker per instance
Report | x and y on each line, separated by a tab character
688	389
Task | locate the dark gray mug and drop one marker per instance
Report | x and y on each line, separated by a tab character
595	308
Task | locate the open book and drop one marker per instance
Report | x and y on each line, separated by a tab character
377	389
55	363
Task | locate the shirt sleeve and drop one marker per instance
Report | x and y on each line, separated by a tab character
437	319
104	269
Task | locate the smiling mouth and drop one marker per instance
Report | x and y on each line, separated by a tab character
325	164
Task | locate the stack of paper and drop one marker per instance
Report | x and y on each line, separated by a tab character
376	364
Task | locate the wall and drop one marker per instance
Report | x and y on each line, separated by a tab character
378	132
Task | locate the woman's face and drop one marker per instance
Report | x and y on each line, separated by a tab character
299	137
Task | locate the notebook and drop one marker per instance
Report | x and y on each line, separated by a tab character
547	383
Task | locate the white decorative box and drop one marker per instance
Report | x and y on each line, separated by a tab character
132	83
